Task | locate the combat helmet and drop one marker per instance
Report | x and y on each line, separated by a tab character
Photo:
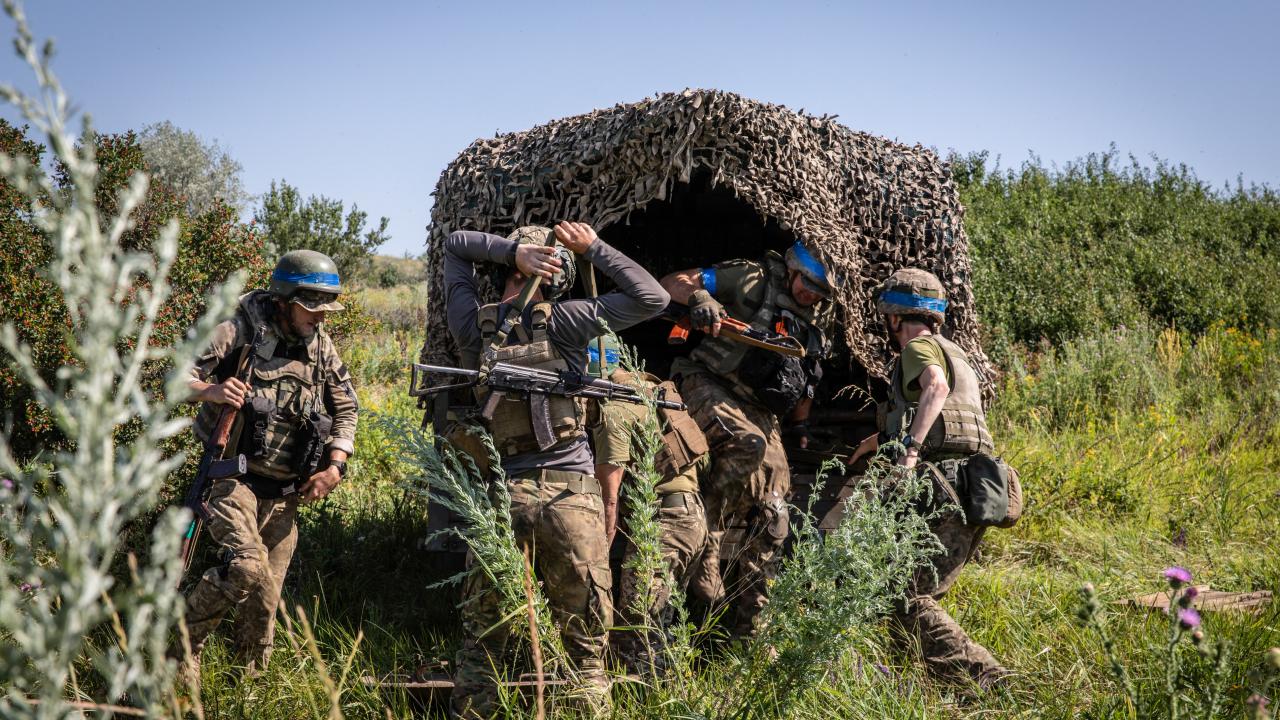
308	278
913	292
559	283
813	273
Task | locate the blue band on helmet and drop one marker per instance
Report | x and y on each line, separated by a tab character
709	280
809	262
894	297
314	278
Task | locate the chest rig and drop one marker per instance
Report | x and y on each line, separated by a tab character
961	427
285	425
512	426
777	311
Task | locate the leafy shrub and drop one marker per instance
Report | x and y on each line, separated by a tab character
1098	244
210	248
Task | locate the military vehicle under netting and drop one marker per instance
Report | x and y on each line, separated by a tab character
690	178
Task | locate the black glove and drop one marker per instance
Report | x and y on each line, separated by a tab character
704	310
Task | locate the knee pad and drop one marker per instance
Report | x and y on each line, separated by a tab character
776	518
248	569
748	450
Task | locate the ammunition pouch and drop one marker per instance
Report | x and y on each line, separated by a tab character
313	436
257	422
682	440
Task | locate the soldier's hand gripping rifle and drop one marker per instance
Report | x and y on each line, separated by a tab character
731	329
531	383
213	464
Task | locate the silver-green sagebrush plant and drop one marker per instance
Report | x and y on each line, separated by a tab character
832	589
451	478
62	520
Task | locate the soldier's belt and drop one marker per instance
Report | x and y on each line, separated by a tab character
688	500
574	482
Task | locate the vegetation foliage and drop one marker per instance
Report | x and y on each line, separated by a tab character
1140	408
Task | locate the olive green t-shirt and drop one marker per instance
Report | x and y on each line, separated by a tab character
919	354
612	442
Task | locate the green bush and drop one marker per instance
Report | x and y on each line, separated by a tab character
1100	243
211	246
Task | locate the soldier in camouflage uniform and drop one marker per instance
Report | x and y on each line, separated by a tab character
557	514
681	516
299	402
935	412
740	397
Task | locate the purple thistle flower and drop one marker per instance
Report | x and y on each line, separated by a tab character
1177	576
1188	618
26	587
1191	593
7	483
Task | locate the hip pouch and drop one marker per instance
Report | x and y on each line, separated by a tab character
991	493
313	436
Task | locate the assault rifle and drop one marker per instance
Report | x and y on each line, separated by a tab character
534	384
731	329
213	466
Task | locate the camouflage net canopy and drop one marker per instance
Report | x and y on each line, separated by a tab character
691	178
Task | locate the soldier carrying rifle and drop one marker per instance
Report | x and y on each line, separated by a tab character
740	396
556	508
295	428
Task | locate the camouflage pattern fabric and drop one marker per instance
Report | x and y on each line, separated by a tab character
683	520
564	534
747	485
920	622
256	537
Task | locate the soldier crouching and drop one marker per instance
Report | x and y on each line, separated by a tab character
740	396
296	427
556	509
935	412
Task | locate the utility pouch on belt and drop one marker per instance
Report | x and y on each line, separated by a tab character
991	494
313	435
257	420
466	439
683	442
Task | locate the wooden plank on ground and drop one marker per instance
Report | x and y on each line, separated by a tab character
1207	599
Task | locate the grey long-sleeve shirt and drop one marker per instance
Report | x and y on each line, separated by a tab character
572	326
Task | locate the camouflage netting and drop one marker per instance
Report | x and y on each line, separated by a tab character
864	204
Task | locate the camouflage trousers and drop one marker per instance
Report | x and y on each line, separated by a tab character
747	486
256	538
558	518
684	539
920	622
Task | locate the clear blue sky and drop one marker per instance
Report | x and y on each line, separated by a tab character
368	102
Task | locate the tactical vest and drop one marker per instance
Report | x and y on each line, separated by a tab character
511	426
723	357
683	443
961	427
285	398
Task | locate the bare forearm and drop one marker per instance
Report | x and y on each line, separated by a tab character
610	477
932	397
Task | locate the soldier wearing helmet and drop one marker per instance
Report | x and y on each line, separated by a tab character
742	397
935	413
296	428
556	505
